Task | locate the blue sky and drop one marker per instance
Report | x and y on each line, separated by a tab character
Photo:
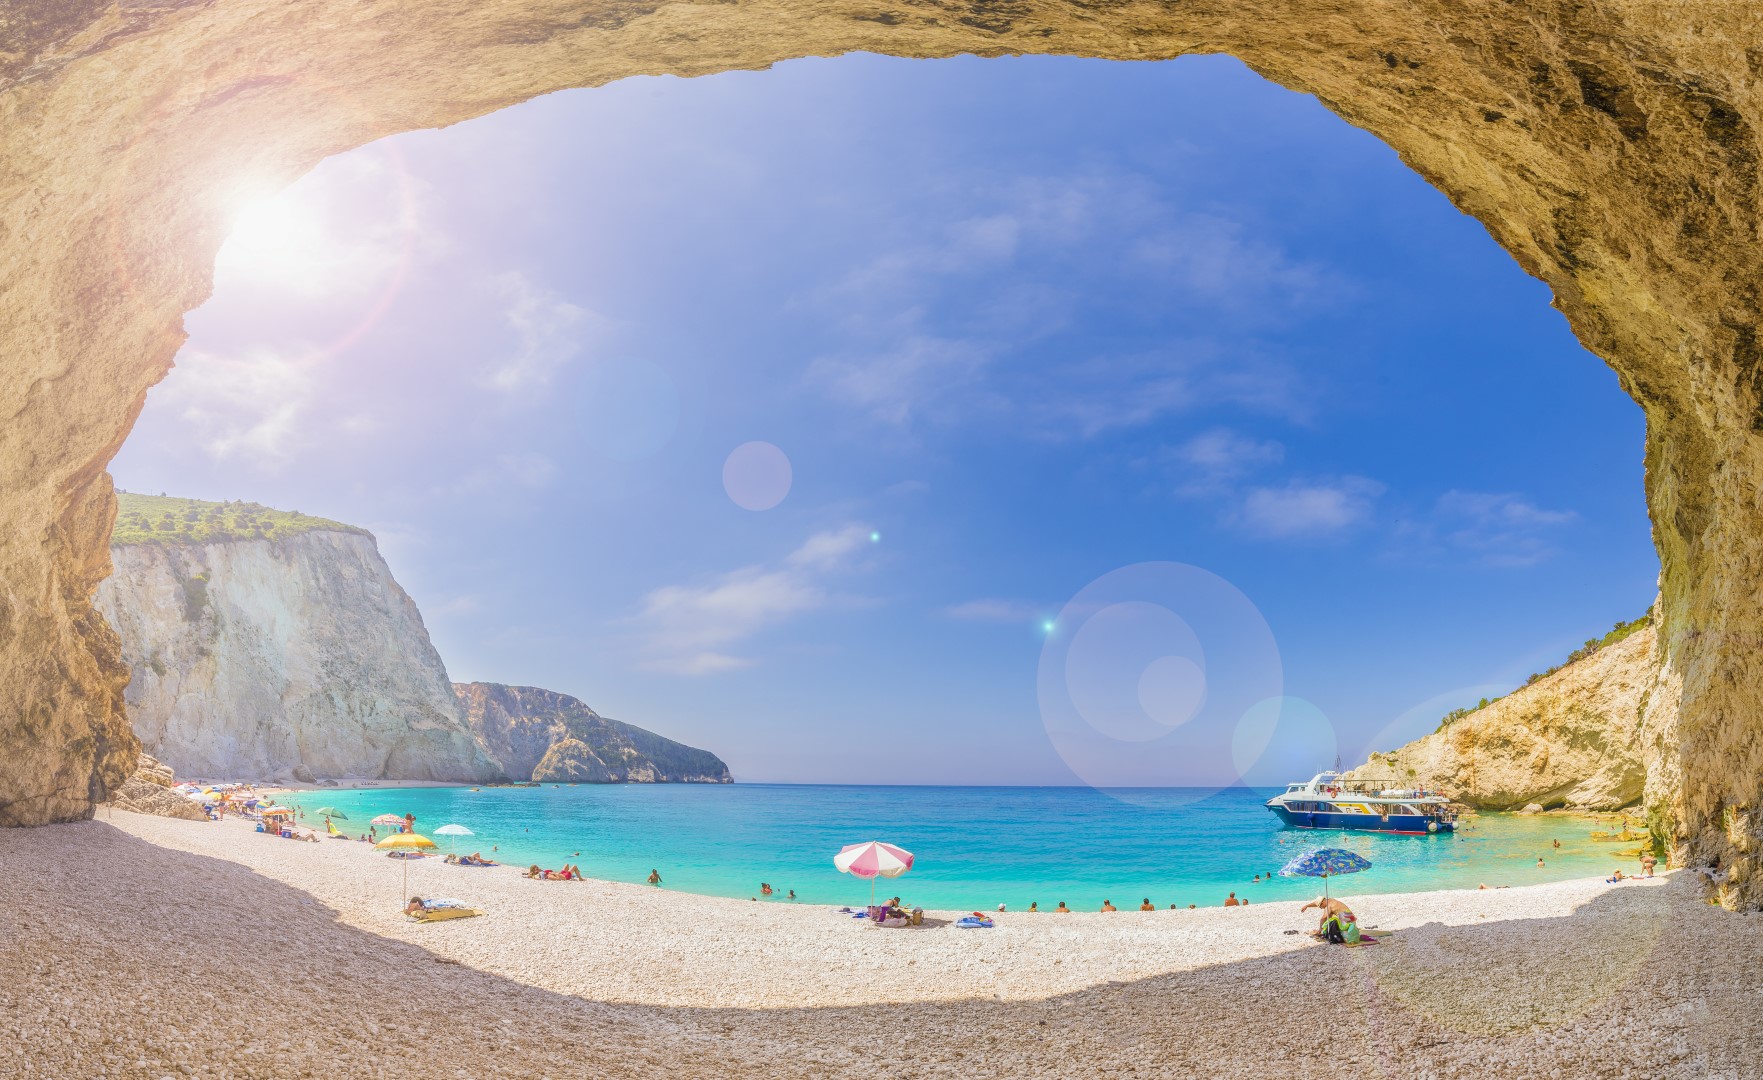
1017	327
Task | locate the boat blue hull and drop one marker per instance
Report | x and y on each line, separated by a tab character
1406	824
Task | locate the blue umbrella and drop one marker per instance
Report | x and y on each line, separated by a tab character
1325	863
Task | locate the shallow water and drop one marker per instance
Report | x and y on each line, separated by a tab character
976	847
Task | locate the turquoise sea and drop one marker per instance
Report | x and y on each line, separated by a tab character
976	847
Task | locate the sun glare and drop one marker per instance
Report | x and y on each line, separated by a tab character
282	238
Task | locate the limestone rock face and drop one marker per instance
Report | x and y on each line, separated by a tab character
1574	738
555	737
1610	146
148	791
569	761
297	657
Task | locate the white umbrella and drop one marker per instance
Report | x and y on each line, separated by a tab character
872	860
451	831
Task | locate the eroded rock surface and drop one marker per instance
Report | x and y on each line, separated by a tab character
148	791
1573	738
1609	145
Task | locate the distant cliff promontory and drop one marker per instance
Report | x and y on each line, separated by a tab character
553	737
1571	737
268	644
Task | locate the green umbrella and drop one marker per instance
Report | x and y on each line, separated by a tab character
331	811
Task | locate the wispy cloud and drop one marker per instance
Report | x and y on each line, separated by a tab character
995	610
1214	461
248	406
1496	529
698	629
967	332
528	471
549	332
920	376
1308	510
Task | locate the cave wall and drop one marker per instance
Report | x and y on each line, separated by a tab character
1608	145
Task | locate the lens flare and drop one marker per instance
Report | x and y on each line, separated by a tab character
757	476
1152	668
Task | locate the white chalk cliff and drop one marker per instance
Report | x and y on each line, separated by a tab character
292	656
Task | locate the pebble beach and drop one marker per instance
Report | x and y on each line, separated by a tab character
150	947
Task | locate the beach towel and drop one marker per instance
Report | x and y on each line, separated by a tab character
970	923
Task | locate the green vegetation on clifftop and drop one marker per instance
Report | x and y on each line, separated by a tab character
165	519
1617	633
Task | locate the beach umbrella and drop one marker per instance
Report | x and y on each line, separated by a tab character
330	812
1325	863
452	831
388	820
872	860
404	841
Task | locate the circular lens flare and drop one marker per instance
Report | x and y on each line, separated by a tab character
757	476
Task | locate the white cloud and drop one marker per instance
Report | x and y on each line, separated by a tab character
832	549
900	384
1497	529
990	609
694	630
1214	462
1309	510
247	406
549	332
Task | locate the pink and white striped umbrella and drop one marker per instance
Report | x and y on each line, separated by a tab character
872	860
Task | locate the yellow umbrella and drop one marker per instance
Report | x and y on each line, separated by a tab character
405	841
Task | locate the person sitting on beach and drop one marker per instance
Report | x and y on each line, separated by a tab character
654	877
1338	923
1232	901
1061	909
1146	905
1034	907
1191	907
1108	905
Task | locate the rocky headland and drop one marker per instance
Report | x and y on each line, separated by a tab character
1572	738
552	737
274	645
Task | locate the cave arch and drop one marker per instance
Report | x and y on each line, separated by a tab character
1609	147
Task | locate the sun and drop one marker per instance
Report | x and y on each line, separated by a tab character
282	240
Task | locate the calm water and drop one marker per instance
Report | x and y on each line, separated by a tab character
976	847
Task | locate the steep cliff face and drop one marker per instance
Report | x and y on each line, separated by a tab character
1576	738
553	737
292	657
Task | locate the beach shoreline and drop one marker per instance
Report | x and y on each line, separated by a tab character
1027	956
151	947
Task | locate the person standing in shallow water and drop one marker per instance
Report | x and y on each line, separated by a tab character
409	823
654	877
